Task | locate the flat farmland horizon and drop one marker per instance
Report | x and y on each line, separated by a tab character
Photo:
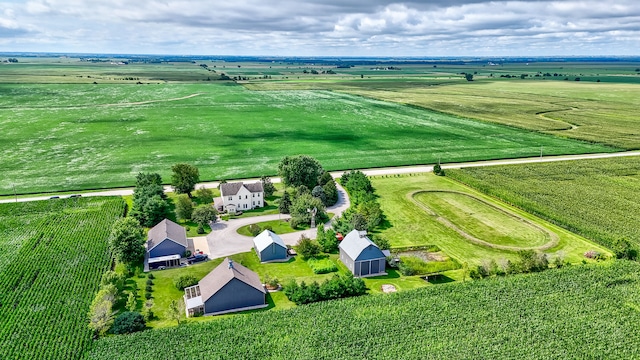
61	137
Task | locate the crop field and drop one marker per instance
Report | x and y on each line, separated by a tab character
595	198
85	136
470	227
53	255
576	312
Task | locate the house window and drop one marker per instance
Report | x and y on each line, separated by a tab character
246	196
245	206
230	197
253	195
254	203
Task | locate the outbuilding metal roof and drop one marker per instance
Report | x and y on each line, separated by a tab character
166	229
223	274
265	239
353	244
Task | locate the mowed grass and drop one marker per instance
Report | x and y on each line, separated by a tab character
595	198
410	225
75	136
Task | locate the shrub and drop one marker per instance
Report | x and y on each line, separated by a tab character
591	254
339	286
254	229
149	282
322	266
307	247
151	276
148	289
184	281
147	296
128	322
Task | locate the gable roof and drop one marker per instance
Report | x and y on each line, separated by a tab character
166	229
227	189
265	239
353	244
223	274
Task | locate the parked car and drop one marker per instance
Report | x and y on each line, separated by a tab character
74	196
197	258
55	197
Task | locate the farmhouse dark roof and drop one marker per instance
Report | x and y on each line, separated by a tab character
227	189
166	229
223	274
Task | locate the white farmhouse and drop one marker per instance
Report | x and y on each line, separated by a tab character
240	197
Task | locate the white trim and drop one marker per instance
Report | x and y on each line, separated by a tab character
164	258
237	310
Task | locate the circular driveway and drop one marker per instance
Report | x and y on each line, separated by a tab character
224	239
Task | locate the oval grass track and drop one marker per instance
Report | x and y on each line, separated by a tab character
484	223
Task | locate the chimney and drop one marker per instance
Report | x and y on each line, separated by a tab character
230	264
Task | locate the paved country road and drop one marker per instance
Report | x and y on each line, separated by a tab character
370	172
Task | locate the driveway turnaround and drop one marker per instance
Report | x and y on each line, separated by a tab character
224	239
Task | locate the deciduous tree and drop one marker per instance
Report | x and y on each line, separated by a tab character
127	240
300	170
184	178
184	207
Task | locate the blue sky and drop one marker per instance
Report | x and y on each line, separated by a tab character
317	27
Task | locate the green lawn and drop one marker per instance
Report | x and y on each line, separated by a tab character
75	136
277	226
410	225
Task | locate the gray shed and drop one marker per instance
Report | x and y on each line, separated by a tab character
166	243
230	287
269	246
361	255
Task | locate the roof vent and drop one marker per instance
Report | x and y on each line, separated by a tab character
362	233
230	264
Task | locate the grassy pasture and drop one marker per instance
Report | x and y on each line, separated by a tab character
595	198
411	225
67	137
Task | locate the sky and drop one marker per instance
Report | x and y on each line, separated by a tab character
323	27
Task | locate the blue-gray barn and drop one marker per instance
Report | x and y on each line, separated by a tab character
166	244
230	287
361	255
269	247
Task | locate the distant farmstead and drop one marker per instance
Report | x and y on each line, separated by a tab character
230	287
239	196
166	244
361	255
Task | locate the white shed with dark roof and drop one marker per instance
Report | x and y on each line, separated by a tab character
166	244
230	287
269	247
239	196
361	255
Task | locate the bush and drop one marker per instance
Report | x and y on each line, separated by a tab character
339	286
254	229
307	247
322	266
128	322
148	289
147	295
406	268
149	282
184	281
151	276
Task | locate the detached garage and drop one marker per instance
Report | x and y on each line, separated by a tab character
361	255
270	247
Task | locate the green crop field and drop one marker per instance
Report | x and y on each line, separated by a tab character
52	256
595	198
84	136
582	312
410	201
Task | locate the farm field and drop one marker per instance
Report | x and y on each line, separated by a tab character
409	202
71	137
595	198
580	311
53	255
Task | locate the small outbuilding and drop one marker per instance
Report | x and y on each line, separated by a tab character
230	287
270	247
361	255
166	244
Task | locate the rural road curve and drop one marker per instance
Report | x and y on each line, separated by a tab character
371	172
224	239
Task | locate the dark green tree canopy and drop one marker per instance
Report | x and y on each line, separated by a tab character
127	240
285	203
128	322
267	186
300	170
184	178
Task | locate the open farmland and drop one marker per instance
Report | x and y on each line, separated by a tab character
577	312
84	136
595	198
53	255
468	226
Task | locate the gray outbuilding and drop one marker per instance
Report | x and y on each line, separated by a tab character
361	255
230	287
166	244
269	247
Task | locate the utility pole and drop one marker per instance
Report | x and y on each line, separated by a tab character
540	151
